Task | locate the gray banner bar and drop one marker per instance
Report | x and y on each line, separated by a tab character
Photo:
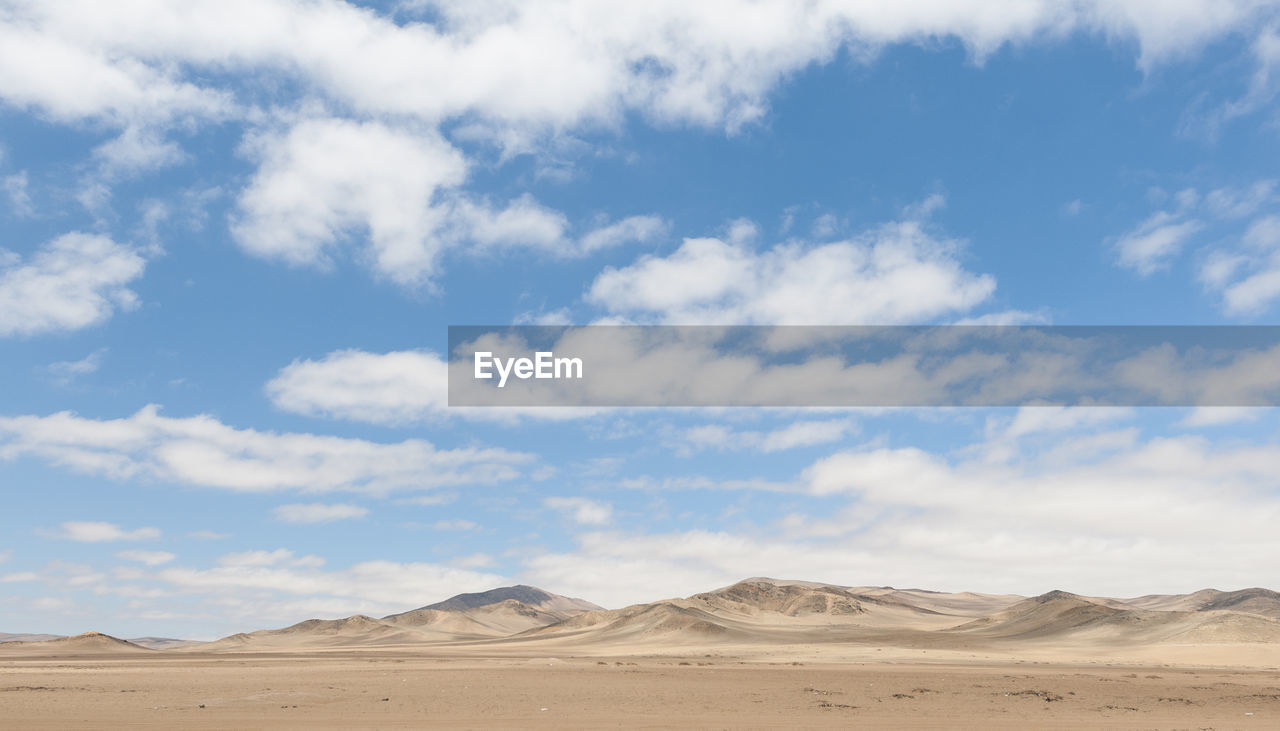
613	366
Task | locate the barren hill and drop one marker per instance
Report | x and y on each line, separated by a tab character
529	595
89	643
1258	601
496	613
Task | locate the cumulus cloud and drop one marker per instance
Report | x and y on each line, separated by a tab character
1123	515
395	388
150	558
1242	267
200	450
554	64
96	531
325	180
71	282
1157	240
639	229
380	176
318	512
1248	277
894	274
279	586
390	388
65	371
582	510
460	524
803	433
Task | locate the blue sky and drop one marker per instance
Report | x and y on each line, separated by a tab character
235	235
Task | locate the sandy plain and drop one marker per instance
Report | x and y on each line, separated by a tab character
758	654
391	688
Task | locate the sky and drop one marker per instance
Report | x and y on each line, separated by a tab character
235	234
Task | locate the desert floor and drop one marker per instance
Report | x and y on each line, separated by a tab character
391	688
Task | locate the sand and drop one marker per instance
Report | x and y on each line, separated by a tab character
758	654
404	689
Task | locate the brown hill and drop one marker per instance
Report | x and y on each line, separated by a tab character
663	621
89	643
1258	601
528	595
485	615
1050	614
1059	616
755	596
319	633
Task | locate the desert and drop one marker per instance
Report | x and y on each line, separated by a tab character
761	653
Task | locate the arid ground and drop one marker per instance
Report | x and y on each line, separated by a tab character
760	653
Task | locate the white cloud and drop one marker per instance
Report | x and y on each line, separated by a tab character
137	150
1262	88
327	182
207	535
1220	415
15	186
1249	278
318	512
278	557
1132	517
77	80
805	433
473	561
455	524
897	273
384	388
642	229
521	77
554	65
396	388
200	450
95	531
65	371
71	282
150	558
1157	240
250	589
325	177
1243	268
582	510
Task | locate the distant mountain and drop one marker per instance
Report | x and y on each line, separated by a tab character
153	643
1069	618
89	643
758	610
485	615
530	595
1263	602
26	637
